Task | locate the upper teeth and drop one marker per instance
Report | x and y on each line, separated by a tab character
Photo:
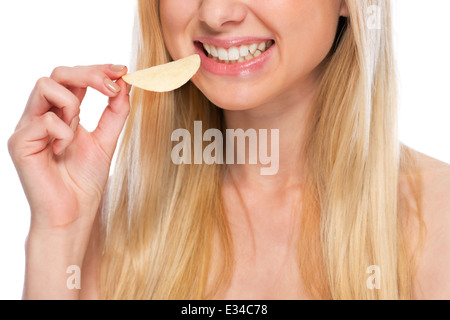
237	54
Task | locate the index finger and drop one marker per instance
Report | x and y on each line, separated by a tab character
98	77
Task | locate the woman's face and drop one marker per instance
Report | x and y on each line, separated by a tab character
253	51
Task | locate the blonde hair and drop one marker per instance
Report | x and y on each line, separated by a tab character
161	219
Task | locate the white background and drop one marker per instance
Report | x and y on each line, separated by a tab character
36	36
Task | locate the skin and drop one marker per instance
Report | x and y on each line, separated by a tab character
73	170
77	166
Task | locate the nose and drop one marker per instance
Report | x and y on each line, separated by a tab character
220	14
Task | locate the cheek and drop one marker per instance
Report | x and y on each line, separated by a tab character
175	13
175	18
307	41
312	48
321	38
311	31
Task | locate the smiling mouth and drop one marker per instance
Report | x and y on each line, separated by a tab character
236	54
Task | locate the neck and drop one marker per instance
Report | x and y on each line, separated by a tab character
289	114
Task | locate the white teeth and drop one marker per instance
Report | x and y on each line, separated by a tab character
214	52
237	54
243	51
262	46
253	48
233	54
207	48
223	54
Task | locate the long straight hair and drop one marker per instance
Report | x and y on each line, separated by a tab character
161	221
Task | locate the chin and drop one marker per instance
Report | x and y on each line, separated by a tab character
232	103
233	99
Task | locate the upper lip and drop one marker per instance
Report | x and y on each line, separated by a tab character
234	42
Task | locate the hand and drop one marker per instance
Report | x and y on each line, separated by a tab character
62	167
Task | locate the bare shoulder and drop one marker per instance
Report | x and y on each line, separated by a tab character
433	276
436	190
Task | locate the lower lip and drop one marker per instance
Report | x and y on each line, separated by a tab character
233	70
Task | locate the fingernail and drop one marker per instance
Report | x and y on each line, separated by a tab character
117	67
128	88
112	86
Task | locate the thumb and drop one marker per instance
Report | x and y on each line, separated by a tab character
113	119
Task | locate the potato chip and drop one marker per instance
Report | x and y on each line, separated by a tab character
165	77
